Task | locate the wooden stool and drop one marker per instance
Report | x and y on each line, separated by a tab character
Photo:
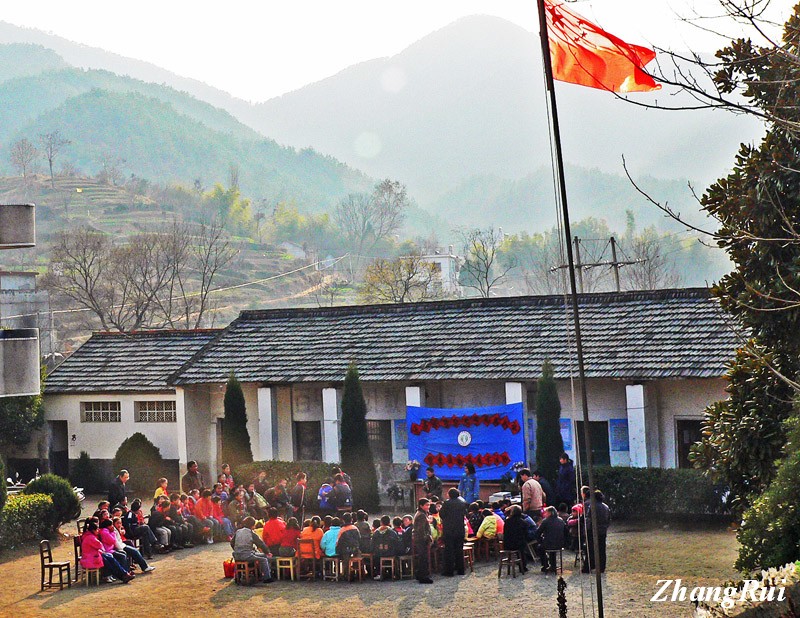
246	572
46	560
510	558
387	564
482	549
355	566
87	575
331	566
369	564
434	557
286	564
494	547
469	556
406	564
560	567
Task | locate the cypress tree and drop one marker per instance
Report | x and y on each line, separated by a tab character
235	438
357	457
549	444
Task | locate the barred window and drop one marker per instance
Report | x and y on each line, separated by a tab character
100	412
155	412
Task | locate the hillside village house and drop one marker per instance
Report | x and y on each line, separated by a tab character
654	360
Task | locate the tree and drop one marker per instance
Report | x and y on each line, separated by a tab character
482	270
23	154
356	452
52	144
143	460
405	279
549	444
20	417
235	437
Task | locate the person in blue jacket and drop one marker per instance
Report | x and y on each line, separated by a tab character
469	486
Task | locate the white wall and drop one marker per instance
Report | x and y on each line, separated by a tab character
101	440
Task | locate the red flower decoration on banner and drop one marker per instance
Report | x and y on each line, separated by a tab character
447	422
479	461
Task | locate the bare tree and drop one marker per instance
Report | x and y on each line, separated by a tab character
23	154
111	171
408	278
652	269
483	271
52	144
327	287
154	280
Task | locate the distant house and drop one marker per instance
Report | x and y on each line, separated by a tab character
447	266
654	360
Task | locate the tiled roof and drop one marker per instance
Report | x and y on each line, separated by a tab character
629	335
116	362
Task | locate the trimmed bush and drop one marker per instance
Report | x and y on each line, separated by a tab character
84	474
143	460
317	472
26	517
235	438
655	492
66	503
549	444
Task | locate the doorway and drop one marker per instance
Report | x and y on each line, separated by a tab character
688	432
598	434
58	453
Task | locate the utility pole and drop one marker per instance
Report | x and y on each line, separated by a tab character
614	263
578	265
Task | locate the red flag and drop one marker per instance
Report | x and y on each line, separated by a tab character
583	53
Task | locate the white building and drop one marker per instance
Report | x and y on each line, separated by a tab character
654	361
447	266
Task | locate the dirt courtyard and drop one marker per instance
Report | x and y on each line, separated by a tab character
191	580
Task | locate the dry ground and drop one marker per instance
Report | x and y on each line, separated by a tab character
191	580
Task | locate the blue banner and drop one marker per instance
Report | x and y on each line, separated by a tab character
490	438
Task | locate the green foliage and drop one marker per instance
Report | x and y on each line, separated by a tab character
84	474
65	502
654	492
770	532
143	460
317	472
549	444
756	206
20	417
231	207
235	438
25	518
357	459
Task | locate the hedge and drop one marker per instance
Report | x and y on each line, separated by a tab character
26	517
3	489
317	472
647	492
65	502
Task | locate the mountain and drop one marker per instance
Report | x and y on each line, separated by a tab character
468	100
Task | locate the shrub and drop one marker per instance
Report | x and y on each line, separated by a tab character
143	460
549	444
84	474
235	438
770	532
65	502
649	492
2	483
317	472
26	517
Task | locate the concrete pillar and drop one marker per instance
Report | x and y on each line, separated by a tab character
17	226
513	392
267	421
180	421
415	396
637	427
19	362
330	425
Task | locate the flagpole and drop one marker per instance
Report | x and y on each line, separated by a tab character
562	189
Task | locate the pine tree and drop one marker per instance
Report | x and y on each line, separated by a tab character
235	438
549	444
357	456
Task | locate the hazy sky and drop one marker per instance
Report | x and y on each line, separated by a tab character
257	49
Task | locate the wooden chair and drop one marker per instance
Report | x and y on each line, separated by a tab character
331	567
406	566
76	541
286	565
560	561
469	556
355	568
305	549
510	558
246	572
81	523
387	564
46	560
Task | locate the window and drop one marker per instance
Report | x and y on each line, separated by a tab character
100	412
308	440
598	433
379	434
154	412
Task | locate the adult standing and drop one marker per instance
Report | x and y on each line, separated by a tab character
452	513
117	491
468	486
423	538
565	481
603	521
298	496
532	493
192	479
432	485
